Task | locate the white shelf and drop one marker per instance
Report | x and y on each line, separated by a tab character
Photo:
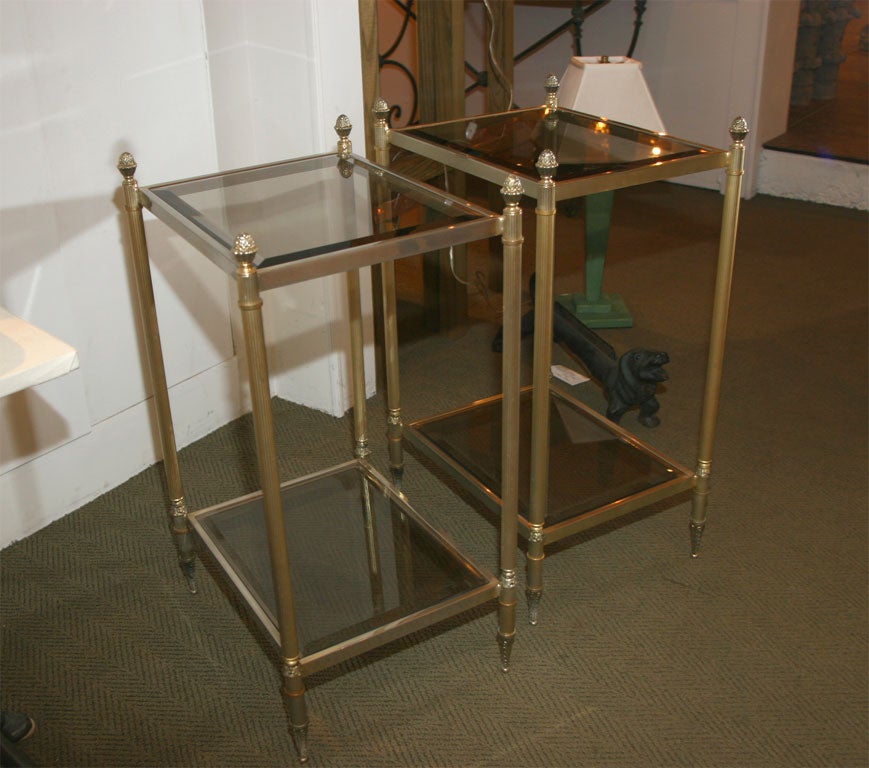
29	355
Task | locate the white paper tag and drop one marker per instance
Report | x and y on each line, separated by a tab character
567	375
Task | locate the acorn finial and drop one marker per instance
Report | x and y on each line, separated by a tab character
127	165
244	247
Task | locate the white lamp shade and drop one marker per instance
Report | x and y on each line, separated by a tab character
614	89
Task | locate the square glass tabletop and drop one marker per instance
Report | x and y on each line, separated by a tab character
596	469
594	154
315	216
366	568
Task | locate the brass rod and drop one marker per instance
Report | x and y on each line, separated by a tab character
250	304
393	391
395	428
510	375
357	365
544	261
154	350
720	312
153	346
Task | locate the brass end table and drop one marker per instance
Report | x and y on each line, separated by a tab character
561	154
337	562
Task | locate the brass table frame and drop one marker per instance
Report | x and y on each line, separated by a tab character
240	261
547	192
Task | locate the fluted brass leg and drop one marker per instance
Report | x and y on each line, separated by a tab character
544	259
395	427
534	558
250	304
720	310
512	291
506	616
181	528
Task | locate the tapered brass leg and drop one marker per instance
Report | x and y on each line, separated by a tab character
293	692
151	330
512	291
546	166
720	310
250	303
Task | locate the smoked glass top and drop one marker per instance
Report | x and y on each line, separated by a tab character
590	465
299	210
361	560
583	144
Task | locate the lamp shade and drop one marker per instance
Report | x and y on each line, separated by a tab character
612	87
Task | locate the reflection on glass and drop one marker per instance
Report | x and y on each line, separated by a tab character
589	466
584	145
359	557
303	208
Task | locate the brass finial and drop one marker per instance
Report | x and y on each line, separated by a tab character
512	190
739	129
343	126
551	84
546	164
551	87
381	109
127	165
244	247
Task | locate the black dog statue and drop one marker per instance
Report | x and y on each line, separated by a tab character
628	381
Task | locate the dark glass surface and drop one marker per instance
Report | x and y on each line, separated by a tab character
360	558
307	207
584	145
589	465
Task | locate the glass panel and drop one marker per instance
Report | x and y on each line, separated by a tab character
589	466
358	556
584	145
308	207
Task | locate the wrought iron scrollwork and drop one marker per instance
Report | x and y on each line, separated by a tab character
581	10
386	60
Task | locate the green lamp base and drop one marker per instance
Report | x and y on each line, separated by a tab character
609	311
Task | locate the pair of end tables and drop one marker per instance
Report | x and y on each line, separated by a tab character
350	563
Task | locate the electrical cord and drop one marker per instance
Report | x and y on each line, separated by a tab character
496	68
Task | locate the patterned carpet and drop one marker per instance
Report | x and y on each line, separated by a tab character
754	654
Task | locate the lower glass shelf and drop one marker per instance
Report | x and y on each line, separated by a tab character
597	470
366	568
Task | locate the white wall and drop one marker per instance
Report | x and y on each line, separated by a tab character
281	73
189	87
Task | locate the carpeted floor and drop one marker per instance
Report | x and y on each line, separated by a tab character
754	654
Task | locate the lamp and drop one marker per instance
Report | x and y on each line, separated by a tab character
612	87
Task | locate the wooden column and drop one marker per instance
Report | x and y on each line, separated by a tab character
499	98
441	45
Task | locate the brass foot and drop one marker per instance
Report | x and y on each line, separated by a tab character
505	647
397	476
189	571
186	546
533	597
300	741
696	535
